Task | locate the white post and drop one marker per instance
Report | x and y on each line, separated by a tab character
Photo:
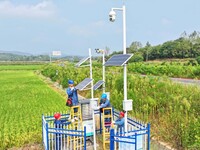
92	91
92	99
94	129
103	72
125	66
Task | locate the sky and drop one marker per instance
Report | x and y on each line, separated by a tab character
73	26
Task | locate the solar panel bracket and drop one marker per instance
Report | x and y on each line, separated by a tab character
82	61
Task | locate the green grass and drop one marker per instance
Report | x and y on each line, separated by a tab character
171	108
20	67
24	98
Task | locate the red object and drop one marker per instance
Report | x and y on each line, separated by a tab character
57	115
69	102
121	113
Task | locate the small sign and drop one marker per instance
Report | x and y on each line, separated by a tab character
56	53
89	127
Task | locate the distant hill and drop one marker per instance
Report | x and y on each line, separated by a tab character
15	52
21	56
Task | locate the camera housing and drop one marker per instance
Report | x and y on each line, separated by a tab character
97	50
112	16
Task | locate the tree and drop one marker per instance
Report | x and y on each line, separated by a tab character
134	47
107	50
147	47
137	57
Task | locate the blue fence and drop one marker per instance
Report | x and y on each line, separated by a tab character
63	138
137	137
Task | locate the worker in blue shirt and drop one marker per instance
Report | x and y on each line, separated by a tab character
104	103
120	123
72	93
59	124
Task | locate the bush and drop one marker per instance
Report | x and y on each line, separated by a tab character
137	58
198	60
193	62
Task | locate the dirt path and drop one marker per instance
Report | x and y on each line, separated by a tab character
29	147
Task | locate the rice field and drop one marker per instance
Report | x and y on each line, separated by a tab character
24	97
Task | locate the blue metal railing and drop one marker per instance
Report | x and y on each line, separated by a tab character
138	133
132	140
55	138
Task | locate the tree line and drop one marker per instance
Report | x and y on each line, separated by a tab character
186	46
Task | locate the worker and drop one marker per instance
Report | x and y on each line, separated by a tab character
120	123
105	103
72	94
59	124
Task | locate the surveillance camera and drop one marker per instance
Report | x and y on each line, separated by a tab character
97	50
112	16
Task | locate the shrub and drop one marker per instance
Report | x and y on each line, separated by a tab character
137	58
198	60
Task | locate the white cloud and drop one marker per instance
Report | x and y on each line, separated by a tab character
81	31
99	23
87	30
165	21
44	9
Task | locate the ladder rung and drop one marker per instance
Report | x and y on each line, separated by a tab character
107	108
107	116
107	142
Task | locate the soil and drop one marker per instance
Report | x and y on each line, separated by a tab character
29	147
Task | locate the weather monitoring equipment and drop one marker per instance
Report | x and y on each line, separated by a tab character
118	60
98	84
83	84
112	16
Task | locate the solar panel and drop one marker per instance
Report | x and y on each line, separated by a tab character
83	84
82	61
98	84
118	60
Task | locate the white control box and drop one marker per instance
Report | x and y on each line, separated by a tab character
128	105
93	103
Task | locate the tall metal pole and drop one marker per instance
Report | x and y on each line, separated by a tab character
92	95
125	66
104	72
90	55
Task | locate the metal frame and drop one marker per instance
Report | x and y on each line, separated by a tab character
129	140
103	68
123	9
82	61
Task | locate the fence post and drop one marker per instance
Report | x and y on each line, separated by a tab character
148	138
84	137
47	136
112	144
135	141
113	111
100	122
